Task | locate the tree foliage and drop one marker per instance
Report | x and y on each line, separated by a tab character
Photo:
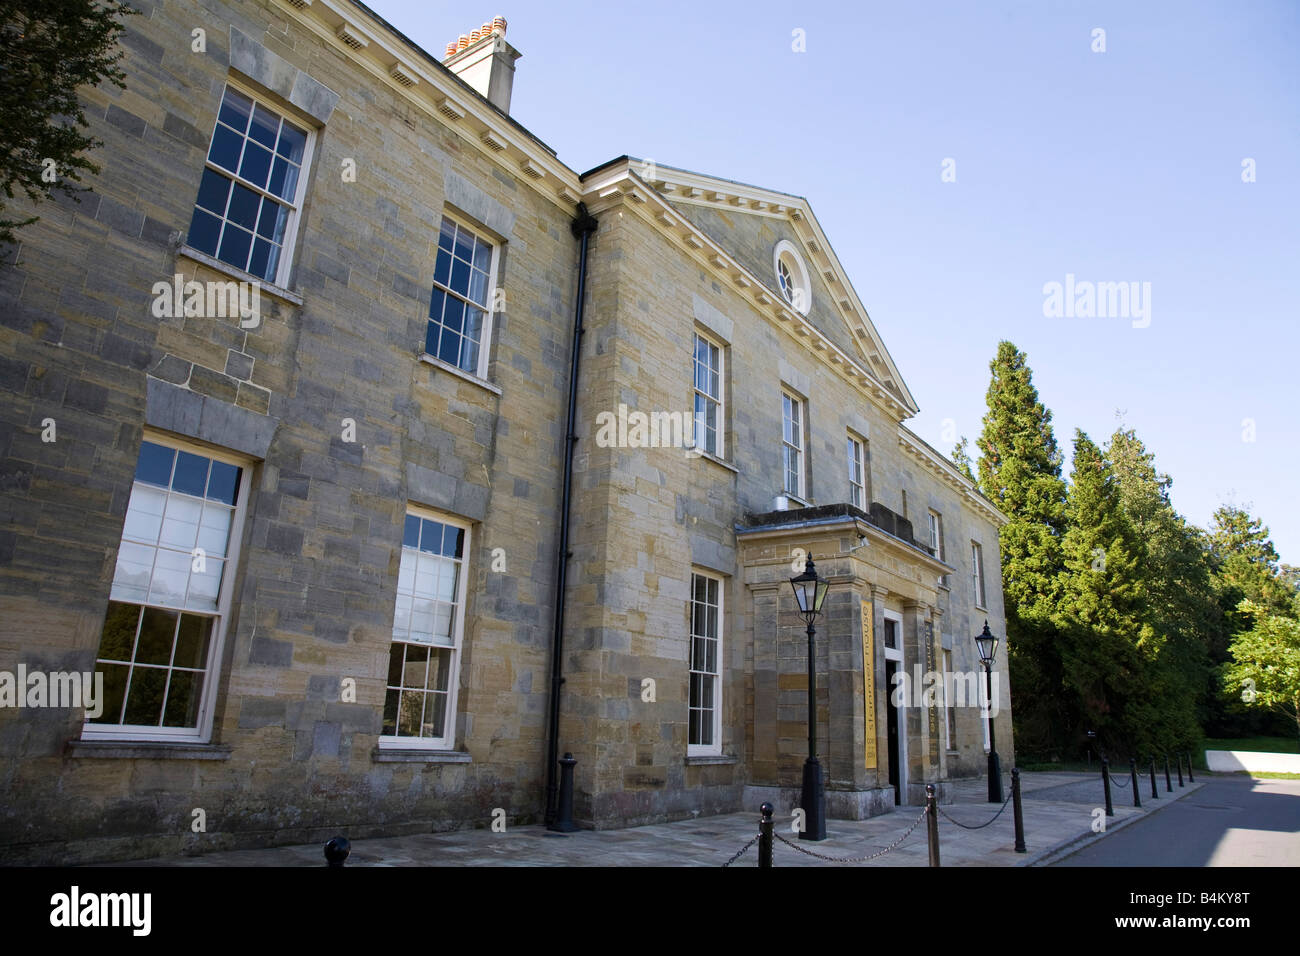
1106	640
1120	613
1246	567
1020	472
961	458
1249	585
48	49
1265	666
1178	594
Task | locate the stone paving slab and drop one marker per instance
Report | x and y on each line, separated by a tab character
1057	810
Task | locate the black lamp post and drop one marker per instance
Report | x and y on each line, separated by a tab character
810	592
988	646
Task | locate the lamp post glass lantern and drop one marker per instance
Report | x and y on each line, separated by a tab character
987	644
810	593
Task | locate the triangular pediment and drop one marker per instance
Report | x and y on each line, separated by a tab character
748	223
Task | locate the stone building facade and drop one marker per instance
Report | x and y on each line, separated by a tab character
284	408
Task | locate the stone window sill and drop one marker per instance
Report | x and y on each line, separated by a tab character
398	755
145	750
438	363
704	760
716	460
189	252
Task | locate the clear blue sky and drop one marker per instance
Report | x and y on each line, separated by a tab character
1117	166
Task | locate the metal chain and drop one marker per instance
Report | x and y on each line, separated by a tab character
741	852
982	825
854	859
1116	782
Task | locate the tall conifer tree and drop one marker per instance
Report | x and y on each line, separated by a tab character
1020	472
1179	600
1101	614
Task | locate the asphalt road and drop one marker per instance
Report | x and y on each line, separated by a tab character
1231	821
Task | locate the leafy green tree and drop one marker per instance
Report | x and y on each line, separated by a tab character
1100	616
1265	666
1020	472
48	49
1246	567
1179	599
1249	584
1290	578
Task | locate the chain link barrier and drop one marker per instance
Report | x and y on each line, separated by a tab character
982	825
854	859
741	852
832	859
1118	783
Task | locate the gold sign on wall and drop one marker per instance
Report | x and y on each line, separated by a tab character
869	684
934	710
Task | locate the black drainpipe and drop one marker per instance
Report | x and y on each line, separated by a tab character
582	227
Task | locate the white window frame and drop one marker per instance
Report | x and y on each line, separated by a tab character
714	749
720	400
856	449
489	324
797	405
290	244
202	732
447	741
977	574
935	522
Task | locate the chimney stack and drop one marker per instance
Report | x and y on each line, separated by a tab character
484	60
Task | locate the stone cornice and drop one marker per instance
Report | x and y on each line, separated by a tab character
619	186
877	539
413	74
947	471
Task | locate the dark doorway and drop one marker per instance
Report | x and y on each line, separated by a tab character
891	724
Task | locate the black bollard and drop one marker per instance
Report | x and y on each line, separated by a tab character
765	834
1105	782
1179	758
1190	776
1015	805
1133	780
564	817
1155	791
932	823
337	850
1169	783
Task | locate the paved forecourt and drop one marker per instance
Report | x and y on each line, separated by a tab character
1058	810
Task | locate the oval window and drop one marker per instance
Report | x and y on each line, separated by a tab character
792	276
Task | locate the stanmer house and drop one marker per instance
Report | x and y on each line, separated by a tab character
298	461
